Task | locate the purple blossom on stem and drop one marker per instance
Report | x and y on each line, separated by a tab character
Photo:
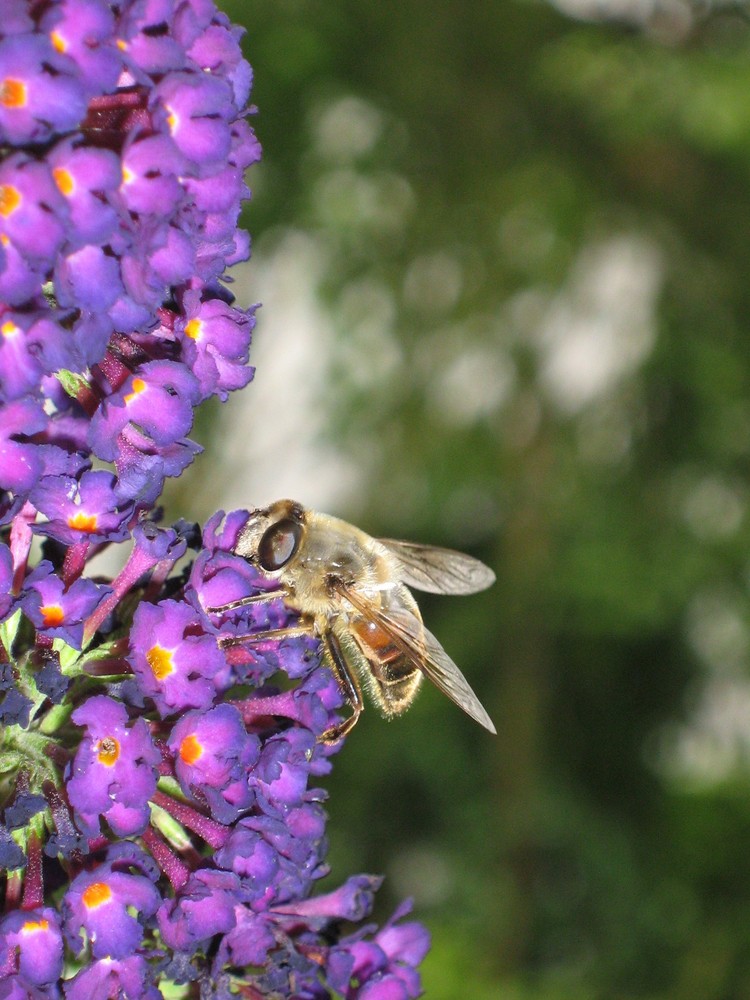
57	611
161	825
113	775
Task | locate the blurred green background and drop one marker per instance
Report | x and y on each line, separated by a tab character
503	250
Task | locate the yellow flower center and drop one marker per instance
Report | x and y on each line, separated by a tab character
58	42
193	329
108	751
161	662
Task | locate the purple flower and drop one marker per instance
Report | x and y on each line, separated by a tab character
21	461
146	39
110	907
213	754
56	611
85	509
352	901
176	664
248	854
39	93
215	344
196	108
151	170
204	908
159	400
32	345
88	277
384	967
283	768
31	945
83	30
88	179
248	942
107	978
31	208
287	850
113	775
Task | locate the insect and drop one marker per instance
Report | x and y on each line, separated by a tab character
351	591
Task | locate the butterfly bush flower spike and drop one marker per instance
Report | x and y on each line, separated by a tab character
161	828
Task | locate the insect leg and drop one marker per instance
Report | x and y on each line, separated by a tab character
266	595
336	660
348	686
290	632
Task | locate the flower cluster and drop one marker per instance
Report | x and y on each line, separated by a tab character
160	827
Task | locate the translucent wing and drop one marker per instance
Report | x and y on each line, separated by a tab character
410	636
438	571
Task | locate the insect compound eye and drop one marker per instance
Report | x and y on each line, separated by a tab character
278	544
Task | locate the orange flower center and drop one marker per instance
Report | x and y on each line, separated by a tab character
13	93
64	180
81	521
96	894
191	749
32	926
9	329
138	387
10	199
52	614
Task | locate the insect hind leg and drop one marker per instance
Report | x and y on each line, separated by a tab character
348	685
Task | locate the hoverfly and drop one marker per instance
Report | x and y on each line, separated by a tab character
350	591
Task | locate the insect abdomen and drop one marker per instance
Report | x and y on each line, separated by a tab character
394	678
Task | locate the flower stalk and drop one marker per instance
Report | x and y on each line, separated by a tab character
161	827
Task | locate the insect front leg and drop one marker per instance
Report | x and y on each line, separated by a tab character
242	602
305	627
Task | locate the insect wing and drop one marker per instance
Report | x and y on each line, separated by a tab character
439	571
422	648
